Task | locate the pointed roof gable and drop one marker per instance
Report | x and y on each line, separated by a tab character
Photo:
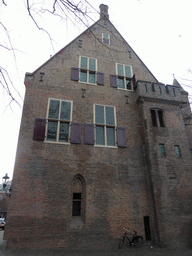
103	15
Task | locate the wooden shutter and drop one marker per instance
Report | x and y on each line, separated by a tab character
75	74
113	80
39	130
89	134
75	133
100	78
134	82
121	137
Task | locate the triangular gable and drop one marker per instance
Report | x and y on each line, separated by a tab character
84	32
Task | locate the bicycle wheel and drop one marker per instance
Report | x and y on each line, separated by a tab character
137	241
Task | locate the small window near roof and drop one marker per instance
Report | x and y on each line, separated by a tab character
105	38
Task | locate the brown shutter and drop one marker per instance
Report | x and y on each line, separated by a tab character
89	134
113	80
39	130
75	74
134	82
75	133
100	78
121	137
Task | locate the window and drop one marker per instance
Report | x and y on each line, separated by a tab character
124	73
88	67
105	38
76	204
177	151
59	119
157	118
162	149
105	125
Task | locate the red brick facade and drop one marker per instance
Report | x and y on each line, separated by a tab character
113	186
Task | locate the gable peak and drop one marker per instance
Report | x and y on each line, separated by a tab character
104	11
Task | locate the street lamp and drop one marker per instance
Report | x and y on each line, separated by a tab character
5	180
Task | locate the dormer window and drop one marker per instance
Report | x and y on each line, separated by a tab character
88	68
105	38
125	74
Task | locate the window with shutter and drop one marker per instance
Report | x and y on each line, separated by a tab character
88	69
124	76
59	117
105	125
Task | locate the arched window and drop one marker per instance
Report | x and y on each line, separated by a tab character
78	197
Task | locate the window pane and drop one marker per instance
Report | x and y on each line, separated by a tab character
65	110
110	136
177	151
162	149
92	78
52	131
161	121
128	84
76	208
121	83
83	62
128	71
54	109
153	118
120	70
76	195
92	64
99	114
99	135
64	132
105	36
110	115
83	76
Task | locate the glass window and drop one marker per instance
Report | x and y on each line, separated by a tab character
59	119
105	124
88	70
124	73
162	149
177	151
106	38
157	118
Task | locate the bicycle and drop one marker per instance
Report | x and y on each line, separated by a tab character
135	240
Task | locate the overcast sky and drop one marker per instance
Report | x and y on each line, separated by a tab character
159	31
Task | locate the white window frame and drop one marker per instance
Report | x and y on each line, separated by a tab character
124	76
105	126
103	37
87	70
59	121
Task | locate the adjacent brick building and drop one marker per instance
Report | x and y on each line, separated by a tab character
103	145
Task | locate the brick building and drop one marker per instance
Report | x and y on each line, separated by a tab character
103	145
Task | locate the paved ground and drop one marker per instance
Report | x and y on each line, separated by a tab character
115	252
125	251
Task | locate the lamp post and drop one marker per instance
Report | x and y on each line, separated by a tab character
5	180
